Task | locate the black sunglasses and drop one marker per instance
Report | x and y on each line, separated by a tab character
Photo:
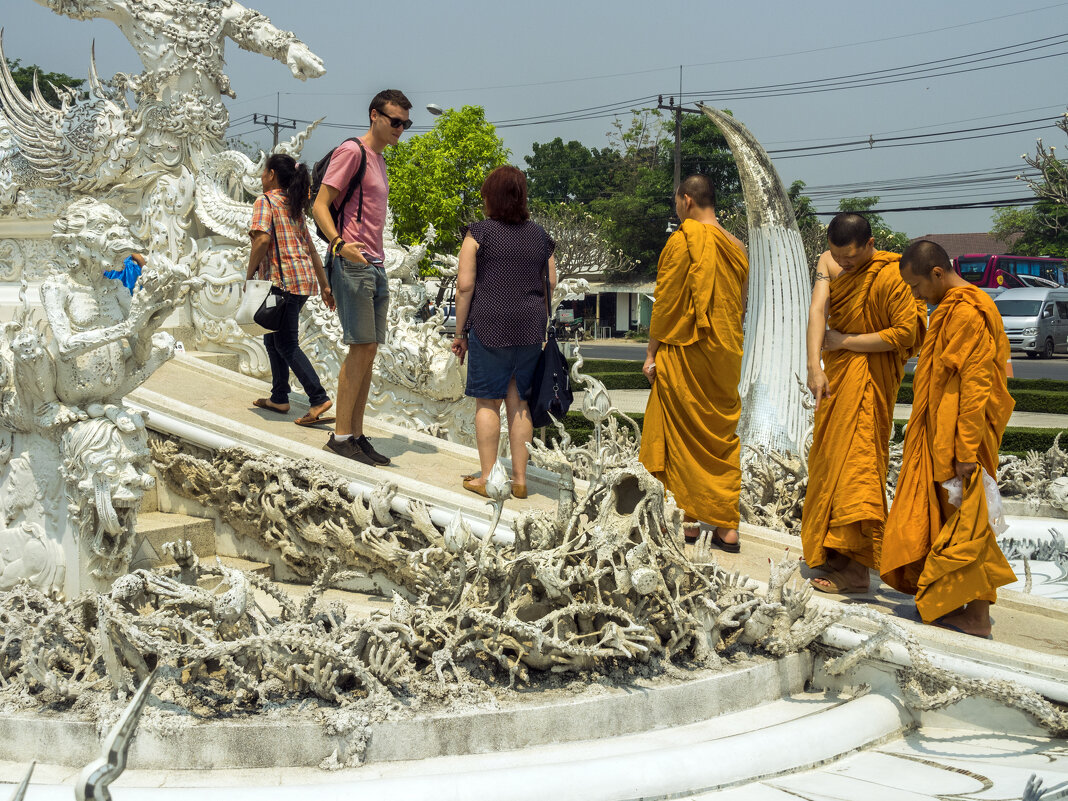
396	122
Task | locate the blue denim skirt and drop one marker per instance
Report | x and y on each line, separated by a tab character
490	370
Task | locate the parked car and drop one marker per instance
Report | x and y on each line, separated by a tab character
449	326
1039	281
1035	319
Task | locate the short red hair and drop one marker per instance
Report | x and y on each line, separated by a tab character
505	194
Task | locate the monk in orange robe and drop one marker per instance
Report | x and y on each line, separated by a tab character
694	363
948	557
866	323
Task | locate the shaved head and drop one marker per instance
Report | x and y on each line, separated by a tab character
700	189
923	256
849	228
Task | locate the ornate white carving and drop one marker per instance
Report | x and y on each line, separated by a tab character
62	384
84	145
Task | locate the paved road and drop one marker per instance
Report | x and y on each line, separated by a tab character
1023	367
614	349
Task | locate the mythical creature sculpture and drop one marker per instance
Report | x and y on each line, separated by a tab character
105	341
62	384
106	463
180	44
85	145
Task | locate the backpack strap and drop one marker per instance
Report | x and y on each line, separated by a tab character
357	181
274	237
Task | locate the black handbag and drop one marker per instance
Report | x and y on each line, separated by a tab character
273	309
550	390
271	312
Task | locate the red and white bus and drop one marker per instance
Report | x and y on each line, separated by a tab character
991	271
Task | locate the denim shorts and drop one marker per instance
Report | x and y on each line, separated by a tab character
490	370
362	295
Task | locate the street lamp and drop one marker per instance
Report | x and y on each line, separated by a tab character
435	109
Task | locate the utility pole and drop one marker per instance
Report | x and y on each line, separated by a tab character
678	111
274	122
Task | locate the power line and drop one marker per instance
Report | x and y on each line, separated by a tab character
651	70
991	204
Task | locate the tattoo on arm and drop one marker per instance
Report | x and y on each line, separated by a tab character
822	277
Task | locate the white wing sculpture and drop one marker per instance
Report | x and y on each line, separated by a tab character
84	145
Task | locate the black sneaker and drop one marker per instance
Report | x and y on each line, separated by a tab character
348	448
370	452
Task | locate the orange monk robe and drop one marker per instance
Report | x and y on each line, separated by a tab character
961	405
845	502
688	436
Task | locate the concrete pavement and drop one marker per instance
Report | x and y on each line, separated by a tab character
633	401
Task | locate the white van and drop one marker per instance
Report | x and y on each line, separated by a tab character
1035	320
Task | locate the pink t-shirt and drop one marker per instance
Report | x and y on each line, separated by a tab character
343	165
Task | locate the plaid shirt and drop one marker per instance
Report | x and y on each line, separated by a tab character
289	239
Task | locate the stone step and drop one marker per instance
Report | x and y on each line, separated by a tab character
247	565
150	500
161	527
229	361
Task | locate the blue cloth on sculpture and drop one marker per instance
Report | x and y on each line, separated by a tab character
129	273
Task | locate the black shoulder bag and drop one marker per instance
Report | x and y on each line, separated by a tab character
550	391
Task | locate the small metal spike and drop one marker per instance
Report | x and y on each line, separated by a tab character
20	791
92	783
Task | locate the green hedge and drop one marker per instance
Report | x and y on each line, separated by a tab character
1017	441
1042	395
1044	401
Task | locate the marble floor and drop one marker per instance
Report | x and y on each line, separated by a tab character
926	765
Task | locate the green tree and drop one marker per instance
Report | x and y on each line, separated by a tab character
1038	231
434	178
559	172
886	238
581	246
23	77
813	232
1043	228
628	187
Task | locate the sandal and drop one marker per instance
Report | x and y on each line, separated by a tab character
519	491
723	545
316	419
840	584
265	403
478	489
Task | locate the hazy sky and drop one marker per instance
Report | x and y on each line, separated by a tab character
536	60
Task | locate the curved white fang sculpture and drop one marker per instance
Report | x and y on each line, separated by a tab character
779	292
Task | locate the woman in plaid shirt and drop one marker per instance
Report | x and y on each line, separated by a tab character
282	252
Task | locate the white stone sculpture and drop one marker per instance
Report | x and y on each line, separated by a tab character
74	462
181	46
145	155
106	341
774	349
602	583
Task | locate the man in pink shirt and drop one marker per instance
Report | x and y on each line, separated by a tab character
354	267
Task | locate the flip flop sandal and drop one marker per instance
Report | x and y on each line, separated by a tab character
840	585
264	403
723	545
308	420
